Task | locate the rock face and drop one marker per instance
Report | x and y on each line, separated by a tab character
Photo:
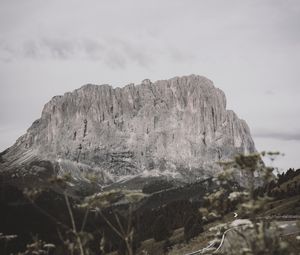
178	127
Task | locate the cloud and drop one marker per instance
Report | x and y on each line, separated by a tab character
6	51
93	49
59	48
269	92
30	49
115	60
116	53
136	52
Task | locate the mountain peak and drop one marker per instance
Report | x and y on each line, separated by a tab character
177	127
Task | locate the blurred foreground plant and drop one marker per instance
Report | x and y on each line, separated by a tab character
252	235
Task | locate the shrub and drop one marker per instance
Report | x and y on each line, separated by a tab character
156	185
193	226
161	229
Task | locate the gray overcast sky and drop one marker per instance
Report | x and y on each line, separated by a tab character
249	48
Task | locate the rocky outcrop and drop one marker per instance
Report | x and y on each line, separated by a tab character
178	127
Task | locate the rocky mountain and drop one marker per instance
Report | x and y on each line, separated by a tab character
176	128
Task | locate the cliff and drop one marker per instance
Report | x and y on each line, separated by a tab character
178	127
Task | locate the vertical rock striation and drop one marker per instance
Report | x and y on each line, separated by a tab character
178	127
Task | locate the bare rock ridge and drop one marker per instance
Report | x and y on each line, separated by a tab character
178	127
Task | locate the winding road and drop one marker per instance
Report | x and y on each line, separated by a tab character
287	228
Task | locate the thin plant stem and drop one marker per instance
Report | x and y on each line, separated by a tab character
84	219
73	224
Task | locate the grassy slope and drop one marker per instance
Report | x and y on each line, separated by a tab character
279	207
286	206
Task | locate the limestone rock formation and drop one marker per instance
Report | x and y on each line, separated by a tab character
178	127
